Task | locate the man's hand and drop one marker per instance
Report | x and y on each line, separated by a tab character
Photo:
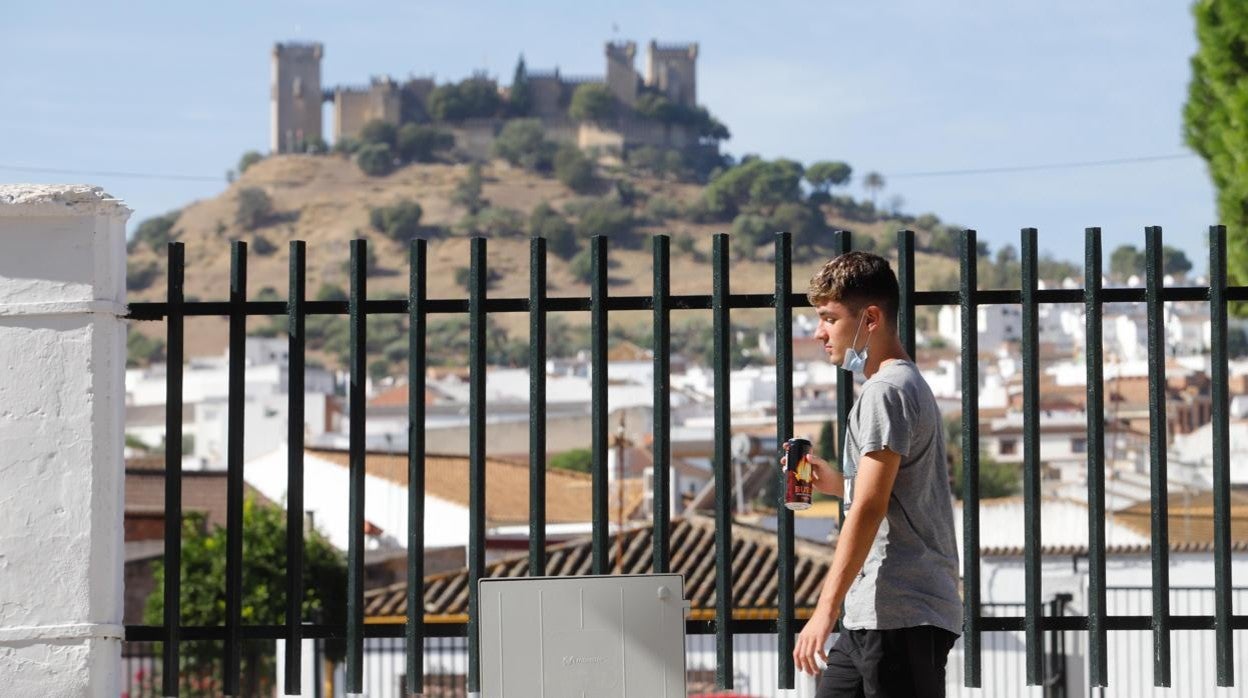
825	478
812	641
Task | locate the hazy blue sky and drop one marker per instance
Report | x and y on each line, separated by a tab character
896	87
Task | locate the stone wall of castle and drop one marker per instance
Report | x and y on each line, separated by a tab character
354	107
295	95
673	70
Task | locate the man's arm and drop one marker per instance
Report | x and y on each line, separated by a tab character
877	471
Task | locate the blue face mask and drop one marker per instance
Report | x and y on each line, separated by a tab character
855	361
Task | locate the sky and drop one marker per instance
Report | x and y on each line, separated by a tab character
95	92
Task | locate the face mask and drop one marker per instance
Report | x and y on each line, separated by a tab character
855	361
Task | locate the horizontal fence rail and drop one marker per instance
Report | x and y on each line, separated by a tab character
1033	622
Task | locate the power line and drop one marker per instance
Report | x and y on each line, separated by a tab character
1047	166
108	173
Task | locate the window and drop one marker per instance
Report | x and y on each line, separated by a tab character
1078	445
1007	447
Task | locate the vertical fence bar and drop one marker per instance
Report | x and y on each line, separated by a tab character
662	402
1031	461
844	387
784	430
234	469
294	467
476	453
416	364
905	280
537	407
1157	443
173	471
971	645
722	324
1218	371
1097	632
598	398
356	460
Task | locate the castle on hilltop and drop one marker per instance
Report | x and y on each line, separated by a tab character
671	72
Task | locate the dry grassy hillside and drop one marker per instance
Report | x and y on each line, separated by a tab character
326	200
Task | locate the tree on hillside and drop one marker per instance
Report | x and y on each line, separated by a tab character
873	183
467	192
155	232
378	131
574	169
419	143
520	100
824	175
1126	261
545	222
523	142
264	593
592	102
248	159
254	208
1213	118
375	160
476	97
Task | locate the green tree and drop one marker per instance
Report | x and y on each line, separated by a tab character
375	159
255	208
995	479
523	142
748	232
378	131
1126	261
578	460
592	102
605	217
520	99
248	159
824	175
142	350
141	275
778	182
264	590
1213	118
467	192
574	169
545	222
873	183
400	221
1174	261
420	143
582	266
155	232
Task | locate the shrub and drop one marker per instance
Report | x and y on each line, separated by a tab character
140	275
376	160
545	222
418	143
578	460
262	245
254	208
155	232
142	350
662	208
315	145
523	142
378	131
248	159
493	221
574	169
467	191
399	222
607	218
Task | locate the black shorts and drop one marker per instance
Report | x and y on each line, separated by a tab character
907	662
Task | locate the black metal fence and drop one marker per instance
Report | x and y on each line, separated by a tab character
417	307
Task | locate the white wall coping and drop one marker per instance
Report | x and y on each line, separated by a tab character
59	200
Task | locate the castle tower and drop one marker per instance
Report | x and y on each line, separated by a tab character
295	95
621	77
673	70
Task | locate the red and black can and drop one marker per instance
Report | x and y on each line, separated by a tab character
797	474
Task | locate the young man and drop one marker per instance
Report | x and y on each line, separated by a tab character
896	563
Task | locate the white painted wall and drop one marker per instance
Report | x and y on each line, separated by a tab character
62	364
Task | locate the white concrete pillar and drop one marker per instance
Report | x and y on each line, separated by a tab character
62	390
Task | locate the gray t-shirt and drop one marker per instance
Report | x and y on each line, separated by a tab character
910	577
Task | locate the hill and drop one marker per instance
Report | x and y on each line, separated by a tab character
326	201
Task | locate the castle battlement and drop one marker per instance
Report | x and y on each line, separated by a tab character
296	94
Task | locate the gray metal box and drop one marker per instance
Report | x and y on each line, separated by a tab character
583	637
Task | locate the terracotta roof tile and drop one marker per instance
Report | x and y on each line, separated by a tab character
754	571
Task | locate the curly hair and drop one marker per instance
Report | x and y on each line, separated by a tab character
856	279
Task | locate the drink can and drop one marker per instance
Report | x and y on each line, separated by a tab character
797	474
